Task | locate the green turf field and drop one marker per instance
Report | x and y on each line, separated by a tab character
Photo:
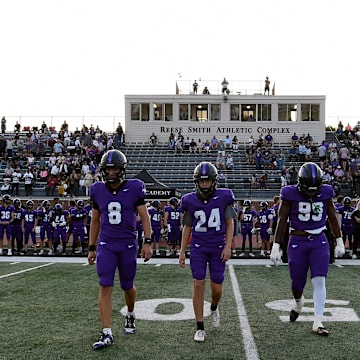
50	312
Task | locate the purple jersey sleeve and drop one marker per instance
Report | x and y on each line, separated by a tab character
306	214
118	209
208	218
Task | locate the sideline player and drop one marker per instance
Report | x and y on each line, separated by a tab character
306	205
173	227
247	218
346	222
208	217
113	242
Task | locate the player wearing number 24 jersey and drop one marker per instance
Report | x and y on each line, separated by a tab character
208	218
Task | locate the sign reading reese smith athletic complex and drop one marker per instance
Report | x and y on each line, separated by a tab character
205	116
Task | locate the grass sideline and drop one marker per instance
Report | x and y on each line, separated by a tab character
51	312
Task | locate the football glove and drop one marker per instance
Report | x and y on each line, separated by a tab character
340	248
253	231
276	254
53	224
269	231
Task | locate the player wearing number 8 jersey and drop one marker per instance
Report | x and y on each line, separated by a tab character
115	204
307	205
208	218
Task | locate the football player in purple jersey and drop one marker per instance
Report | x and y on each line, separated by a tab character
208	218
265	216
247	218
78	216
113	238
172	226
156	218
17	234
6	216
307	205
29	223
346	222
60	218
44	217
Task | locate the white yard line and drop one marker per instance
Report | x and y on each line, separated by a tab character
26	270
248	339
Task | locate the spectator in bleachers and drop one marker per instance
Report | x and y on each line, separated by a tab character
20	145
253	181
250	155
3	125
339	174
58	147
214	143
229	162
266	159
334	157
260	141
172	141
73	182
222	180
5	187
186	144
263	181
235	144
88	182
221	147
309	140
200	146
10	146
17	127
178	146
251	141
302	151
64	126
43	128
9	170
2	145
28	143
28	180
343	155
274	160
220	162
308	153
268	139
207	146
293	154
281	159
295	140
227	142
192	146
283	179
258	159
153	139
16	176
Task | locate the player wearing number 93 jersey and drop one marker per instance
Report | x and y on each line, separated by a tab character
307	205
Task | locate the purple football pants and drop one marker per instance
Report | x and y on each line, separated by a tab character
304	253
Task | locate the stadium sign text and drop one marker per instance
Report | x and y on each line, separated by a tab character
224	130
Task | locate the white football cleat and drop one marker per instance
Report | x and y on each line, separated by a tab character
215	318
199	336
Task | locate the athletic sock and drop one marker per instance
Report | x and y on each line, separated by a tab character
200	325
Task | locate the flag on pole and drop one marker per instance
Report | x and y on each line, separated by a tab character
273	89
177	89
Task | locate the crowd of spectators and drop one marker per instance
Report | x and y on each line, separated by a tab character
64	161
